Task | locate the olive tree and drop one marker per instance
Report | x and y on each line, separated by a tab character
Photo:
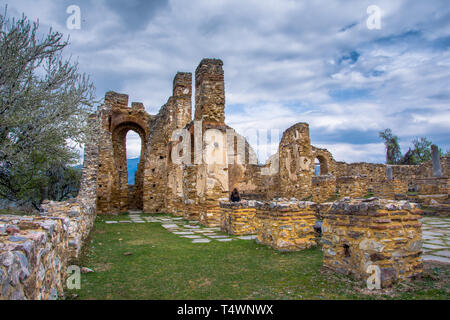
44	105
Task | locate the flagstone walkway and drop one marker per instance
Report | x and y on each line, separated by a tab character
178	226
435	235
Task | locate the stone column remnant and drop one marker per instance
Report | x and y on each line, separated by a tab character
389	172
436	160
210	91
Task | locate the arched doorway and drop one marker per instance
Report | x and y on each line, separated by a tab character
133	145
128	196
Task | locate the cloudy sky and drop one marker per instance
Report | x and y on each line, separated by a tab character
284	61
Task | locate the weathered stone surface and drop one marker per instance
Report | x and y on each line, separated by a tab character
32	265
238	218
286	226
389	236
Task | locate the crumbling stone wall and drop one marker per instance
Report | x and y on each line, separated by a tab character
433	185
210	91
215	158
325	158
161	183
323	188
33	257
296	162
286	226
238	218
387	189
117	119
353	186
388	234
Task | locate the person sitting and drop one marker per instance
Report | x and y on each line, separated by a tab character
234	197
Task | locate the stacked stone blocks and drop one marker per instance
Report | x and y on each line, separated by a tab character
238	218
360	233
286	226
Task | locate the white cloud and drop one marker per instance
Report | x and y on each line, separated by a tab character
133	145
281	60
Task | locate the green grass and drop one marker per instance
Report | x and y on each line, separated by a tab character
165	266
368	195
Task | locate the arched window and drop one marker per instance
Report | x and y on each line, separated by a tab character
320	166
133	151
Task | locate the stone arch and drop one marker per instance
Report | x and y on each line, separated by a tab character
117	119
323	165
324	160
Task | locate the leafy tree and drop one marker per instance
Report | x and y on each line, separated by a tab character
44	106
393	154
63	182
421	151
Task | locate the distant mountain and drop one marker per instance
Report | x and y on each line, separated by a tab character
132	165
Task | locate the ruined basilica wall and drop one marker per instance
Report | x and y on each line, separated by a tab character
117	119
296	162
162	181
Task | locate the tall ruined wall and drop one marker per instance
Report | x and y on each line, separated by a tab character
206	174
161	181
192	164
210	91
117	119
296	162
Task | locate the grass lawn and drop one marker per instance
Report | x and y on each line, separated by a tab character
161	265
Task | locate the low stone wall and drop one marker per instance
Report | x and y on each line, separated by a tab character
238	218
353	186
387	189
286	226
210	214
359	233
33	257
434	185
192	211
79	221
323	188
177	208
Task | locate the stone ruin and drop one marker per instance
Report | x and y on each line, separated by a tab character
188	166
194	185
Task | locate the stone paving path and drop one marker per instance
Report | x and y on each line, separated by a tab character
435	235
178	226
